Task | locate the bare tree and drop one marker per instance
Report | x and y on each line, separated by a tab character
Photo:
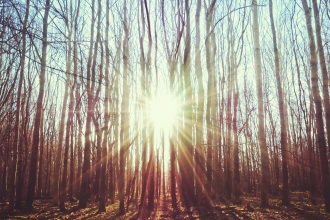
124	133
56	183
17	161
318	107
186	148
261	127
38	116
284	136
86	178
106	116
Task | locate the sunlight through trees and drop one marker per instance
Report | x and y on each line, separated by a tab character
137	104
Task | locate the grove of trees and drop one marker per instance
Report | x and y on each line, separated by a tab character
240	90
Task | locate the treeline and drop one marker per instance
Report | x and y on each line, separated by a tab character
77	77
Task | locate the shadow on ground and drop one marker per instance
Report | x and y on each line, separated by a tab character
246	208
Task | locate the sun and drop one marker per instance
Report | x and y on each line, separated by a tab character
163	111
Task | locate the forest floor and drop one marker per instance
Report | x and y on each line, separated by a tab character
300	208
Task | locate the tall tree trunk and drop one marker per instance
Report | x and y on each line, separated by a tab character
186	149
237	189
20	179
325	77
77	104
151	165
86	179
144	106
106	116
157	186
124	133
137	168
72	160
173	173
56	186
228	184
66	153
321	142
38	116
48	153
111	176
79	141
151	171
41	145
113	151
67	132
261	127
98	132
200	110
284	136
210	53
308	122
209	125
76	178
248	162
18	148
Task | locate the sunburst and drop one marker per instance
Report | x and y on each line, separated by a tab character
163	112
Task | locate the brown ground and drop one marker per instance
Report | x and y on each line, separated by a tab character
300	208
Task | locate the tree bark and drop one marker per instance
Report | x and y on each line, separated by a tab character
210	53
41	152
237	180
57	182
228	170
18	148
144	106
106	117
124	134
321	142
325	78
98	132
38	116
86	178
284	136
261	127
200	110
186	148
66	153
